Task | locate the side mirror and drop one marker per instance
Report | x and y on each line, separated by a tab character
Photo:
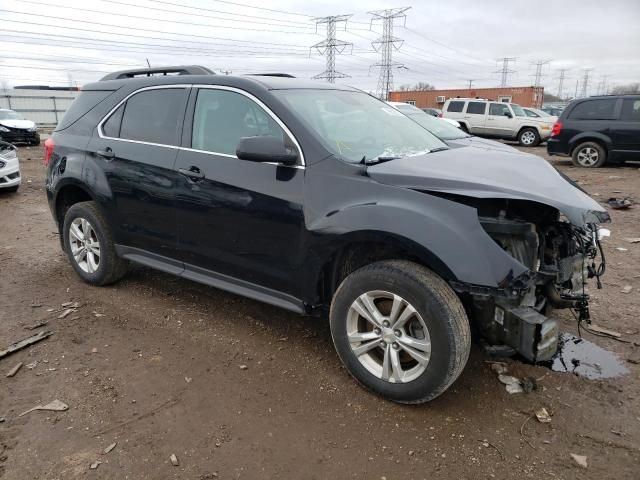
508	114
266	149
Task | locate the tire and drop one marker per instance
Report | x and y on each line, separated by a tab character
589	155
464	128
437	308
35	143
108	268
529	137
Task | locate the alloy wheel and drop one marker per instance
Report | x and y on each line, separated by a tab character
528	137
587	156
388	336
85	246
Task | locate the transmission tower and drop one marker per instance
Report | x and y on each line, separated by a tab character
561	80
602	85
585	82
538	75
471	80
505	71
330	46
386	44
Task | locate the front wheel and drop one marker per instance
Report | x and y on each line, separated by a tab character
529	137
400	330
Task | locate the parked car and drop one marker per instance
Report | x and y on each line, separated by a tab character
409	109
554	111
15	129
9	168
325	201
451	135
434	112
597	130
487	118
537	113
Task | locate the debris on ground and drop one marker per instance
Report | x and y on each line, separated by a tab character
66	313
94	350
619	203
14	347
528	384
188	379
243	367
622	249
512	383
626	289
36	325
543	416
499	367
54	406
633	240
606	331
580	460
32	365
109	448
95	465
174	460
14	370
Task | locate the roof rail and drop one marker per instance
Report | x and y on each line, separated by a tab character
282	75
148	72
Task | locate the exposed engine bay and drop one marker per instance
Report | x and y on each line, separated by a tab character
560	258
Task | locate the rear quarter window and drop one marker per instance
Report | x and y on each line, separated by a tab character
455	106
602	109
630	110
84	103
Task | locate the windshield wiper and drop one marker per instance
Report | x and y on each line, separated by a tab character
373	161
439	149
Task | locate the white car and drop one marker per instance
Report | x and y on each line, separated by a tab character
9	168
487	118
409	109
15	129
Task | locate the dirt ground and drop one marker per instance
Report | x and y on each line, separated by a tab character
157	364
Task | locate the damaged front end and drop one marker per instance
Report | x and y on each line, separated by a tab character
560	258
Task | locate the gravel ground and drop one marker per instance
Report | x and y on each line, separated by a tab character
240	390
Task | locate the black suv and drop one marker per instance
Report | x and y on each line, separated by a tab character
597	130
325	201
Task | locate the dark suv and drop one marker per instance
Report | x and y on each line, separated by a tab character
325	201
597	130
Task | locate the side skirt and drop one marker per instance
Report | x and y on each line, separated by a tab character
211	278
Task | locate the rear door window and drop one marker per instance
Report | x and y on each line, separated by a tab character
499	109
594	110
154	116
455	106
630	110
476	108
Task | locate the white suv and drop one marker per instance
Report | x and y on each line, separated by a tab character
488	118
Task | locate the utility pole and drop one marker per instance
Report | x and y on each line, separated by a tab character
585	82
386	44
602	85
576	94
330	46
505	71
561	80
471	80
538	75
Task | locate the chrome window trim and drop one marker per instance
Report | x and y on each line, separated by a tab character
208	87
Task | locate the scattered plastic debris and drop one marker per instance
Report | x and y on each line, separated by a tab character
243	367
174	460
14	347
580	460
499	367
95	465
606	331
54	406
36	325
109	448
622	249
633	240
14	370
619	203
626	289
543	416
512	383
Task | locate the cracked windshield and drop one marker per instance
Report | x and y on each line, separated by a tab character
359	128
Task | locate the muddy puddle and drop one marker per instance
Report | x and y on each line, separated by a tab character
586	359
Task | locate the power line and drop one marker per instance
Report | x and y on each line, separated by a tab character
585	81
331	46
470	80
386	44
505	71
561	80
538	75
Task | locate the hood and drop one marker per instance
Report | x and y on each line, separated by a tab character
23	124
482	143
480	173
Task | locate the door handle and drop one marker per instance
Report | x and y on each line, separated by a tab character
193	173
106	153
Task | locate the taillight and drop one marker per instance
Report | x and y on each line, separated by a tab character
49	144
557	128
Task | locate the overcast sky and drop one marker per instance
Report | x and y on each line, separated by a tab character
446	43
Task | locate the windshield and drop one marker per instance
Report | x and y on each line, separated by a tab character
440	128
408	108
517	109
356	126
9	115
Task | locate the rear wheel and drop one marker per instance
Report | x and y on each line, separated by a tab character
589	155
400	330
89	245
529	137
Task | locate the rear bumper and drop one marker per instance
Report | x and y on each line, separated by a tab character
557	147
